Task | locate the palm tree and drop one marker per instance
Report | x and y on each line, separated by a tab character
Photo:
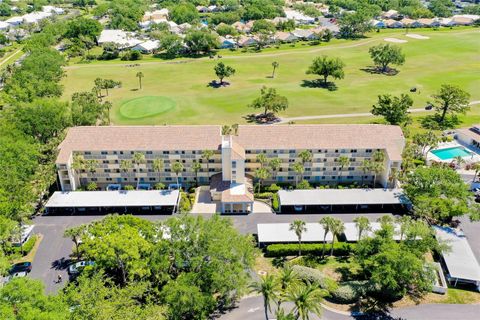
207	154
140	76
365	167
281	315
107	105
476	167
138	158
337	230
274	165
275	65
298	169
157	166
377	168
261	174
177	167
287	277
458	161
305	156
363	225
267	287
78	164
75	234
344	162
262	159
306	299
91	165
125	165
405	223
393	177
327	224
298	226
196	167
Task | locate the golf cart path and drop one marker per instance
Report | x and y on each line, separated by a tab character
350	115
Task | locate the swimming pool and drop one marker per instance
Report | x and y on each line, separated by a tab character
450	153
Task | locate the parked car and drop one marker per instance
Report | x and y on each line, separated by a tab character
20	274
77	267
429	106
21	267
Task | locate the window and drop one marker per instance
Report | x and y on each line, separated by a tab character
105	161
290	178
87	153
114	152
121	152
131	152
353	151
166	152
336	150
149	152
183	152
109	179
291	160
168	178
94	179
234	164
291	151
211	161
211	170
248	151
104	152
368	151
107	170
151	179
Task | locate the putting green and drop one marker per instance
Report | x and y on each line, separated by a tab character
147	106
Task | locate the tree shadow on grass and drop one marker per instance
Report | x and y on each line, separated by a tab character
375	70
134	89
215	84
330	86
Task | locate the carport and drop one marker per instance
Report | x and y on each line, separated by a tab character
105	202
269	233
343	200
459	261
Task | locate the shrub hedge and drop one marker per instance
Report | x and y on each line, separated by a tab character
27	246
291	249
350	291
315	276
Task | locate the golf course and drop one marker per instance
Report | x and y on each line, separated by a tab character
178	92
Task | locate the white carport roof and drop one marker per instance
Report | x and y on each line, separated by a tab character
280	232
460	260
351	231
341	197
134	198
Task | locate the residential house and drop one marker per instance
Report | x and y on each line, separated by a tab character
390	14
227	42
463	20
305	34
245	41
378	24
121	38
14	21
229	171
148	46
393	23
430	23
285	36
4	26
298	17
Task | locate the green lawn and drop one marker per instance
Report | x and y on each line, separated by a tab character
447	57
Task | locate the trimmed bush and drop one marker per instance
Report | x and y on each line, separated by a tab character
275	202
273	188
350	292
185	203
27	246
315	276
264	195
291	249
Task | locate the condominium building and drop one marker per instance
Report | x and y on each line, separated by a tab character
233	160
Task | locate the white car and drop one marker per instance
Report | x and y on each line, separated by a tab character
20	274
76	268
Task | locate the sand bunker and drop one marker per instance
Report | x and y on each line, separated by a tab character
395	40
417	36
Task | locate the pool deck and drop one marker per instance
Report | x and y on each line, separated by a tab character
474	157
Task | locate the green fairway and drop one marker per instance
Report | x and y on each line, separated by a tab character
448	56
147	106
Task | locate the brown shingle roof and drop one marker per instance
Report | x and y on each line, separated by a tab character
324	136
139	138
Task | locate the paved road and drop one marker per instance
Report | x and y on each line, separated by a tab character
52	256
349	115
252	309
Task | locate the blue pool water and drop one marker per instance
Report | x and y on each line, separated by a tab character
450	153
